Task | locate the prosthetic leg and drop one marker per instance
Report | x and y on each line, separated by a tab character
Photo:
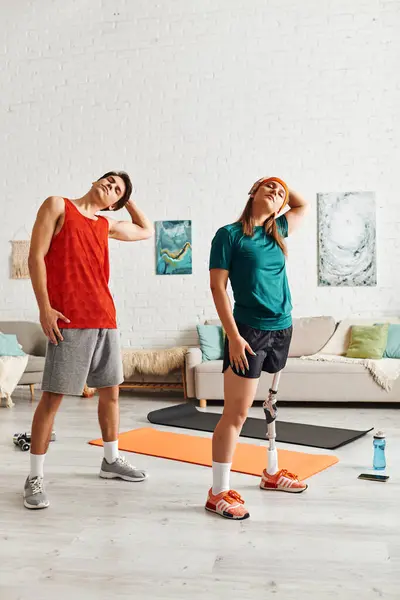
270	410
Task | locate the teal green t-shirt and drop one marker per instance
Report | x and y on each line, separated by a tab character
257	272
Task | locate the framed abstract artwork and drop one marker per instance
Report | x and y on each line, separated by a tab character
347	239
173	247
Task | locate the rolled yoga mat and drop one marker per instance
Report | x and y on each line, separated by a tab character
187	416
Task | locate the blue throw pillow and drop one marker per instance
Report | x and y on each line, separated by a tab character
9	345
393	342
211	338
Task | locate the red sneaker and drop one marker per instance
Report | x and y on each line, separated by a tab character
282	481
228	504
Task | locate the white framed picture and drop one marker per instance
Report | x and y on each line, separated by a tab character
347	239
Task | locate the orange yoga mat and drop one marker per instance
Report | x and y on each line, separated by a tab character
249	458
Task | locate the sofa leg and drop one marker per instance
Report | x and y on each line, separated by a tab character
32	387
203	403
185	396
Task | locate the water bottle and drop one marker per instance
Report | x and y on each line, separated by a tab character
379	451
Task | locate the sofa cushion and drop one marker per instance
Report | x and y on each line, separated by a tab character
216	322
300	366
35	364
310	334
340	340
211	339
368	341
293	365
393	342
9	345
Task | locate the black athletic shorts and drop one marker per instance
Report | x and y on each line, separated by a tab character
271	348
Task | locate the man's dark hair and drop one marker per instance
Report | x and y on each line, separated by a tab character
128	187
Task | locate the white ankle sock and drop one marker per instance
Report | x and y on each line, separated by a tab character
37	462
111	451
221	473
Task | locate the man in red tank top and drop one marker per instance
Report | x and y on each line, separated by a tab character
69	269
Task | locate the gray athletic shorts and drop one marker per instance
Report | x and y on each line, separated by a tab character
91	356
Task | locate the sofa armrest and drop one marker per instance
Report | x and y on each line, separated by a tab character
193	358
29	334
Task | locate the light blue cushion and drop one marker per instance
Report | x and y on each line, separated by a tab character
393	342
211	338
9	345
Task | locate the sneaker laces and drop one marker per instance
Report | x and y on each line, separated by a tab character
289	475
231	497
121	460
36	485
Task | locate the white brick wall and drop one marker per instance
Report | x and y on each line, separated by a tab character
197	99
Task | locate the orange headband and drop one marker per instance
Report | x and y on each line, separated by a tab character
257	184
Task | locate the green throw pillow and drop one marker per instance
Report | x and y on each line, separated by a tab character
368	341
211	340
393	342
9	345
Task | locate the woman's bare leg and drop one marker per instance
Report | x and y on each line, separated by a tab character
239	393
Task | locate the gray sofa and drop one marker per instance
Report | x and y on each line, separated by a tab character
33	342
302	380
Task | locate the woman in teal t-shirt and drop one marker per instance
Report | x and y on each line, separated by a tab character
251	254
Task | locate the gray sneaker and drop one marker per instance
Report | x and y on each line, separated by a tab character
121	469
34	493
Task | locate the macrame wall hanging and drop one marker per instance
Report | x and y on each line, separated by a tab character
19	258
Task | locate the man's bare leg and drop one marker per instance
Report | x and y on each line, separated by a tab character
42	424
35	496
108	412
114	466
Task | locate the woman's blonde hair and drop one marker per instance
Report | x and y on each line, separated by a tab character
247	219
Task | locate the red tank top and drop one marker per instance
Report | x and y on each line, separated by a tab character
78	271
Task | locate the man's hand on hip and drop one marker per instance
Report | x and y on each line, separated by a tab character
48	321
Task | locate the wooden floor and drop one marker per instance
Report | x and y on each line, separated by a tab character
109	540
